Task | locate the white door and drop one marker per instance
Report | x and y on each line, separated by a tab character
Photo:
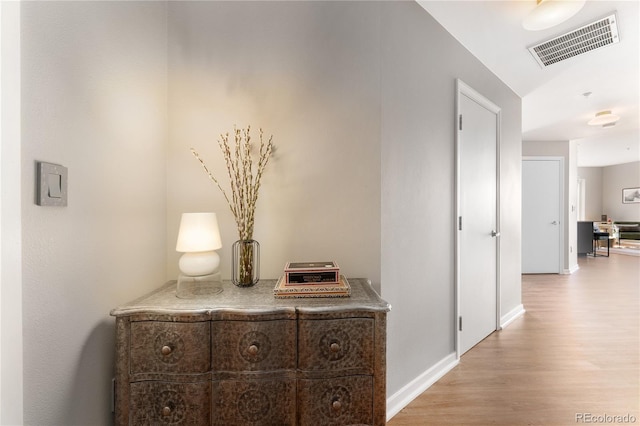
477	254
541	213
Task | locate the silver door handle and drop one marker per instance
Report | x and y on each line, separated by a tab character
554	222
495	234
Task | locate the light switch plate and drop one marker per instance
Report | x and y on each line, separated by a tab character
51	185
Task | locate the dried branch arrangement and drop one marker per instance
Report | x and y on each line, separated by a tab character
244	175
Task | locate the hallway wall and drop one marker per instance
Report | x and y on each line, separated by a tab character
93	99
360	99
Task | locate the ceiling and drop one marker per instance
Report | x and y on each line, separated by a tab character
553	105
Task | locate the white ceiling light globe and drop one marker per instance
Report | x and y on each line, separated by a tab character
549	13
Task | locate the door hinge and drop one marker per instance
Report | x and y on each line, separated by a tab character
459	223
460	121
460	323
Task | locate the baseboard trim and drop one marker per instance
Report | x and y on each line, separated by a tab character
413	389
571	270
512	315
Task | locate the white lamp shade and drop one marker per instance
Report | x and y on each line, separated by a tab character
549	13
198	232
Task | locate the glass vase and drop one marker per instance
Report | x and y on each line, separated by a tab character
246	263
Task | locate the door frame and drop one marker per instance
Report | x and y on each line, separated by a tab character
11	310
463	89
563	216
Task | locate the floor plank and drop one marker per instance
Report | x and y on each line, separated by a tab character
574	354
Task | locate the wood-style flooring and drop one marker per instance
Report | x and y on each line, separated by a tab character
574	354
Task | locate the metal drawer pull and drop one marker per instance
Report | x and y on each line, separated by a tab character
166	350
336	405
334	347
253	349
166	411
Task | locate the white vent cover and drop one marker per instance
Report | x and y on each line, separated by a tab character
595	35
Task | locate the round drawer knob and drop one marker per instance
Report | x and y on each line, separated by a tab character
166	411
166	350
336	405
253	349
334	347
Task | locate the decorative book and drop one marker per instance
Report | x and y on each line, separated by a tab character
298	273
339	289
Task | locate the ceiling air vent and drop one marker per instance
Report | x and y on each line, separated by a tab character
595	35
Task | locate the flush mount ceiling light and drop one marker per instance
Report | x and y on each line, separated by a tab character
604	119
549	13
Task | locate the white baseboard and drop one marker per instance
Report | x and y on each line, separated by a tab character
413	389
512	315
571	270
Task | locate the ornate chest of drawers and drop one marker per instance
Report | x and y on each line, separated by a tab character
242	357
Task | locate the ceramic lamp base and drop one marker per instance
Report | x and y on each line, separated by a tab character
199	263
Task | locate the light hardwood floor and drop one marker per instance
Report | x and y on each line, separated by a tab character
575	352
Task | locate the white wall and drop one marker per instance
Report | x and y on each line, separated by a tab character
420	62
593	192
308	73
94	80
614	179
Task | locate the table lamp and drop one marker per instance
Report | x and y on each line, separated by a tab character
198	238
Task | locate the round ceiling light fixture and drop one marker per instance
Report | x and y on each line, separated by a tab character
549	13
604	119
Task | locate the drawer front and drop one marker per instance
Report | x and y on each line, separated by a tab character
163	403
340	344
170	347
253	345
254	402
339	401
